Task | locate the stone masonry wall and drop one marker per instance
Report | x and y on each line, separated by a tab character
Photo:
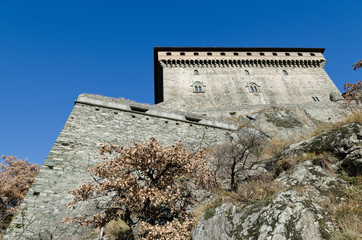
95	120
230	86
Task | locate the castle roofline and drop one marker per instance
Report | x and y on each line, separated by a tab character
240	49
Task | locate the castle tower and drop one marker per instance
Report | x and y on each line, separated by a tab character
206	78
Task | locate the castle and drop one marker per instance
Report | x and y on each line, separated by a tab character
218	79
194	87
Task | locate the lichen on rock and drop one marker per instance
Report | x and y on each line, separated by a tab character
291	214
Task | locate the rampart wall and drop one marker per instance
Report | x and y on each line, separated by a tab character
95	120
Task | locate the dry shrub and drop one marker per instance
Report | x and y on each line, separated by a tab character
233	160
16	177
147	184
347	214
174	230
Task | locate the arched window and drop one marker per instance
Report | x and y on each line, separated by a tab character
198	87
196	72
236	54
253	88
312	54
316	99
168	53
222	54
300	54
285	72
247	72
209	54
275	54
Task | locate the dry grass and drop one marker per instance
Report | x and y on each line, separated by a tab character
276	145
206	205
258	189
324	159
116	230
355	117
347	214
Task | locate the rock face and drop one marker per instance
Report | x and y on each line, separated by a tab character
345	142
294	213
294	122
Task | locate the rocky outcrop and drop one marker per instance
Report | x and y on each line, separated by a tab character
283	122
294	213
345	142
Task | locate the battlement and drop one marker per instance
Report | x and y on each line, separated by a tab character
241	56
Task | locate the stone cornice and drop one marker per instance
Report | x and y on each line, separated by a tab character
266	62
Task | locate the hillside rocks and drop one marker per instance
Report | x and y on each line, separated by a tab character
283	123
295	213
294	122
299	210
345	142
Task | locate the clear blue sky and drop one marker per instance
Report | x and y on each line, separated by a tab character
52	51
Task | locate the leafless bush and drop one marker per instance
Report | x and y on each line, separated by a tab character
233	160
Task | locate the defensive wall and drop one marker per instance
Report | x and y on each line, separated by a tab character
95	120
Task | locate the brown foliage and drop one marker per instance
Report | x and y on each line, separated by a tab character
146	183
16	177
353	91
357	65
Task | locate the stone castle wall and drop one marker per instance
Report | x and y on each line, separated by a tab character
234	80
231	86
95	120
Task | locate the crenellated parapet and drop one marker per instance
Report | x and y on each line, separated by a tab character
240	57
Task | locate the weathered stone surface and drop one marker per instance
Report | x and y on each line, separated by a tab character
226	80
292	214
345	142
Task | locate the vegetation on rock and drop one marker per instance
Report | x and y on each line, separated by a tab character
147	186
16	177
235	158
353	91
